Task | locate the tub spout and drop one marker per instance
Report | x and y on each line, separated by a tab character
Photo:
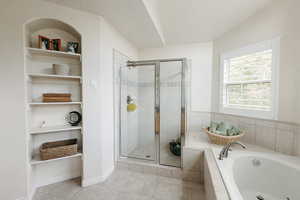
226	149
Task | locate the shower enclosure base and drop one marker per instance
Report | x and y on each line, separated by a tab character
166	156
146	166
143	153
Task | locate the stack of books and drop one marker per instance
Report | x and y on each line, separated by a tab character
57	97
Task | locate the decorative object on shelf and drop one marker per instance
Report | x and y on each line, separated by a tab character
74	118
175	147
57	97
61	69
43	124
58	149
73	47
223	133
44	43
56	44
131	106
49	44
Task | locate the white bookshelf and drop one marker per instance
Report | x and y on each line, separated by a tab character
36	160
40	79
53	129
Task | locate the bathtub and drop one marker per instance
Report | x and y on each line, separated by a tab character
257	176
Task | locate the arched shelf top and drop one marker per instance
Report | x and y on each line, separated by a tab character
48	23
53	34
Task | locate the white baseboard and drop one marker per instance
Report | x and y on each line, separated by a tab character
22	198
58	179
95	180
31	194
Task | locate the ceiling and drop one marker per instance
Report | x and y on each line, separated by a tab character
154	23
187	21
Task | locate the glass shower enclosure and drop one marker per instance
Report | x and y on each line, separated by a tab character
153	110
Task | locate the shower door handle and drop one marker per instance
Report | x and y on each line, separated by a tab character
157	120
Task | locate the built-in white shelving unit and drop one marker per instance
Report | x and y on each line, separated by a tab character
36	160
40	79
53	129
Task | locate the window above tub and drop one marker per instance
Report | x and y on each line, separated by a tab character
249	80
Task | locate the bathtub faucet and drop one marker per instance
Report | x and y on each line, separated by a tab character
226	149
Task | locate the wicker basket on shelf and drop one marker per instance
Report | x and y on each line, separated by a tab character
221	139
58	149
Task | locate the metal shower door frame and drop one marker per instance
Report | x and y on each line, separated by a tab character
156	64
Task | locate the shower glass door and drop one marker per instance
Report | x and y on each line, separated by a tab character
170	81
137	112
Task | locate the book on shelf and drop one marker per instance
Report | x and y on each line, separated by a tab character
56	99
56	95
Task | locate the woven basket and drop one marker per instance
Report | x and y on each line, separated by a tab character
222	140
58	149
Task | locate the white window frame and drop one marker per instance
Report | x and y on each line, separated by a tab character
274	45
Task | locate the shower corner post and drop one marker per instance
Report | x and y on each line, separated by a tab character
183	128
157	111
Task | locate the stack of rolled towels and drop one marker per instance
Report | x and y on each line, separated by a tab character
57	97
223	128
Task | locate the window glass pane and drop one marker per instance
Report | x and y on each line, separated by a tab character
257	95
251	67
234	93
253	95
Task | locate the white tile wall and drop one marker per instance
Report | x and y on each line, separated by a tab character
265	136
198	120
296	143
278	136
213	183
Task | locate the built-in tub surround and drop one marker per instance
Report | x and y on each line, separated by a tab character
269	171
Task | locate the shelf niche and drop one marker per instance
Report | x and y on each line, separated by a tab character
42	79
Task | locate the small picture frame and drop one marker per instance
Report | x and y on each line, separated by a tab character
56	44
73	47
44	43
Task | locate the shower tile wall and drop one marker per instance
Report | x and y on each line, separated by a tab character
131	120
146	103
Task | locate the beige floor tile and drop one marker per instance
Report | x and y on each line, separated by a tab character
125	185
58	191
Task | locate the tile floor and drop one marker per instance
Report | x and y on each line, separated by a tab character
124	185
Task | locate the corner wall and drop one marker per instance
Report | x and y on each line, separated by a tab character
281	18
110	40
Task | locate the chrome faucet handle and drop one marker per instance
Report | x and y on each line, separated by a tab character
241	144
226	149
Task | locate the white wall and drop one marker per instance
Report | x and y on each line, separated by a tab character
281	18
110	40
200	55
98	39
